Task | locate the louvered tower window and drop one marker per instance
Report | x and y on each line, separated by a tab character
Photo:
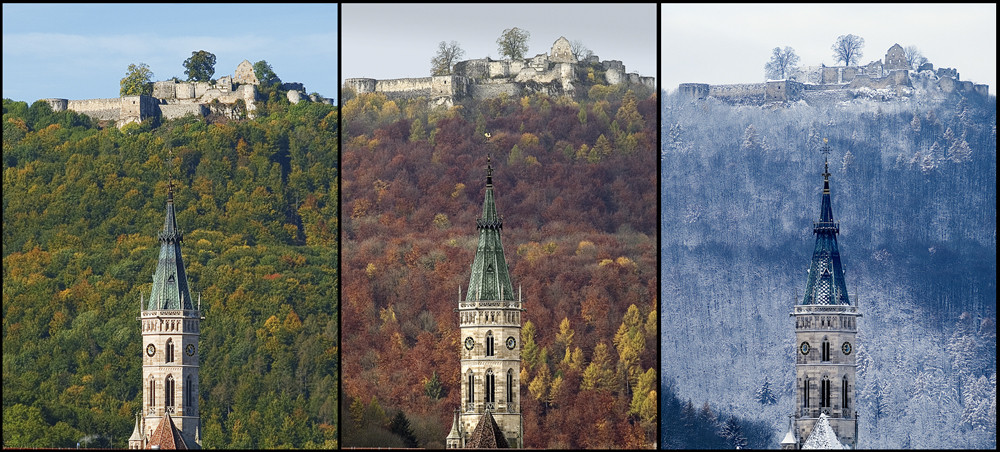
490	386
844	393
168	392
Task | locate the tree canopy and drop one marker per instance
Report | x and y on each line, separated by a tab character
138	80
513	43
445	58
200	67
914	57
783	62
82	206
265	73
847	48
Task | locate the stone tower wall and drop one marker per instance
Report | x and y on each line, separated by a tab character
181	328
836	325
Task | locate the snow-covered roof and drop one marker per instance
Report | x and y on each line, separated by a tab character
789	438
823	436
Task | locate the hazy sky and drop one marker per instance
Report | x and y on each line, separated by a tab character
398	40
722	44
81	51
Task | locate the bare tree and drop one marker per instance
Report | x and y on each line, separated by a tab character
580	51
445	58
513	43
847	48
914	57
783	62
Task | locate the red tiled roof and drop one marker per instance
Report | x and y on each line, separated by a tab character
166	436
487	435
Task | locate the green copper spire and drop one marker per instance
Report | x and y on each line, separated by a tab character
825	284
490	278
170	286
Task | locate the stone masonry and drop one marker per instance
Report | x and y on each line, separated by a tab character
892	73
552	73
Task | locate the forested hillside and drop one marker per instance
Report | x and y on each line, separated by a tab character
914	189
575	183
82	206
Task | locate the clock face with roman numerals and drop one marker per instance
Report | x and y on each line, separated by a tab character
189	349
804	348
847	348
469	343
511	342
150	349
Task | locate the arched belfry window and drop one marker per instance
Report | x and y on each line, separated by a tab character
805	393
510	388
152	391
824	393
489	343
188	392
168	392
490	386
472	388
826	350
170	350
843	394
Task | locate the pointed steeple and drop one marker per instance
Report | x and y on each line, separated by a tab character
454	435
170	285
825	283
490	278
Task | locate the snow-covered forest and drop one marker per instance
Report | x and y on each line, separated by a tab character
914	189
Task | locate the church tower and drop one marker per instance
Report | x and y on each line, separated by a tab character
490	324
825	330
170	353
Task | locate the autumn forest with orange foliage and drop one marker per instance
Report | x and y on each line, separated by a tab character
575	181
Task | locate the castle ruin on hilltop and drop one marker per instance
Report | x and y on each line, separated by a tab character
233	96
554	73
892	74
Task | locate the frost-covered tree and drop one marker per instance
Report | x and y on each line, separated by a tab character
764	395
914	57
783	62
847	48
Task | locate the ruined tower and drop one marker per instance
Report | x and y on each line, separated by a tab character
825	331
490	323
170	354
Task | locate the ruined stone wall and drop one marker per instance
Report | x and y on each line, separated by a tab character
99	109
404	88
480	91
479	68
749	93
694	90
782	90
56	104
137	108
174	111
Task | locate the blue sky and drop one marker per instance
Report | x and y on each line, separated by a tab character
81	51
721	44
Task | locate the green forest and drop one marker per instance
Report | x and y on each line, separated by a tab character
257	203
574	179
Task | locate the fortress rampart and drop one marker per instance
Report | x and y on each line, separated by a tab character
891	74
232	96
483	78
